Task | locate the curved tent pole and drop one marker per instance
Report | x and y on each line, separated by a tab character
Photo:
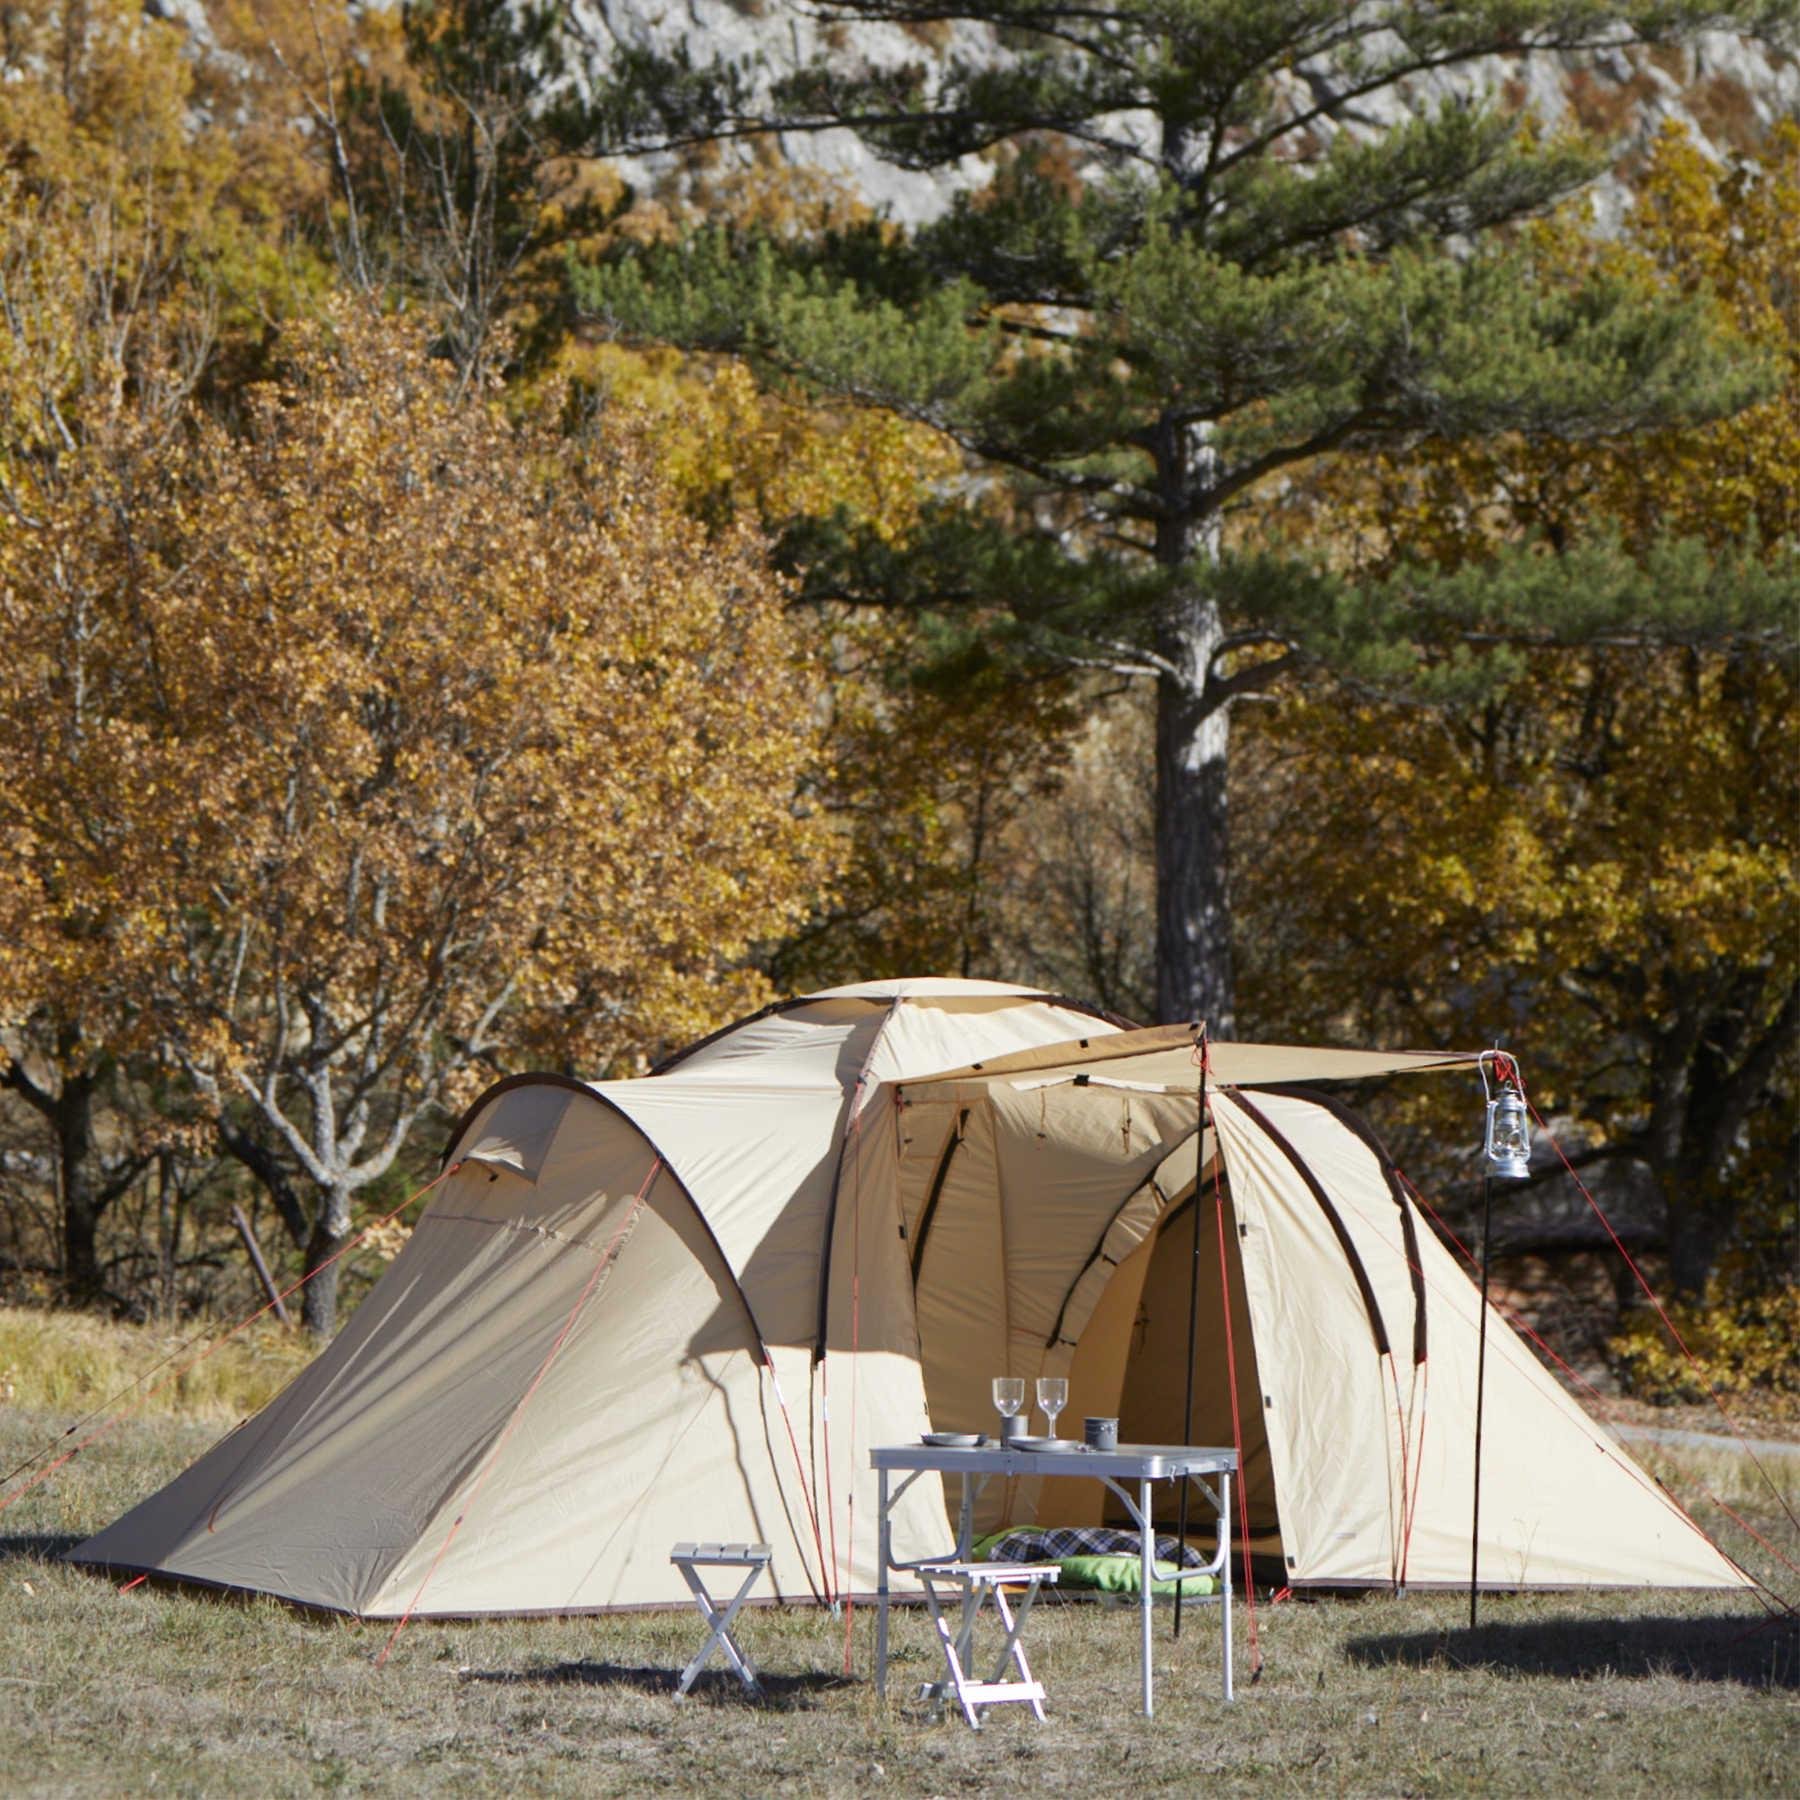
676	1057
756	1330
589	1091
922	1230
1359	1273
1353	1122
506	1084
853	1112
1167	1207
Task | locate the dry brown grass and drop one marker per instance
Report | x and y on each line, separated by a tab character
165	1690
73	1362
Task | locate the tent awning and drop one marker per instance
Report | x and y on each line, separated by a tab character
1162	1056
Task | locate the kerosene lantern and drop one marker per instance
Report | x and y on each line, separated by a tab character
1508	1128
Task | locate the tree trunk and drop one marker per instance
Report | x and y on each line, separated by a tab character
1193	740
332	1226
1693	1249
68	1110
1712	1065
1699	1211
276	1178
72	1119
171	1204
1193	901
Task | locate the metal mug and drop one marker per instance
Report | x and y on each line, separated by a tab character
1101	1434
1016	1427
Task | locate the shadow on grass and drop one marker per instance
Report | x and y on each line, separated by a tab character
1754	1653
785	1693
48	1546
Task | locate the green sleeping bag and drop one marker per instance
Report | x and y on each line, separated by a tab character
1117	1569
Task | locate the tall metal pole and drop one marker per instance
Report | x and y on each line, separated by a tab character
1487	1219
1187	1406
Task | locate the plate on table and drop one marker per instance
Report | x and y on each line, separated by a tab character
1041	1443
954	1440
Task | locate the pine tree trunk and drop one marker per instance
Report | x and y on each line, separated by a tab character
1193	903
1193	740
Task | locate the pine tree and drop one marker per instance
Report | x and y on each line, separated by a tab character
1196	267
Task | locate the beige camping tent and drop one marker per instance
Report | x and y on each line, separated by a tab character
687	1306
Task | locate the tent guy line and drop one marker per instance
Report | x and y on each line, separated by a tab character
1519	1324
213	1343
604	1263
1523	1326
1668	1323
1515	1346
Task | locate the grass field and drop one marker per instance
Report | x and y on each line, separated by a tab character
159	1690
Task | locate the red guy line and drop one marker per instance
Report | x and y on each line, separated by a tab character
1237	1428
1668	1323
222	1339
518	1412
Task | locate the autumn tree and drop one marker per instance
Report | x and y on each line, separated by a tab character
1599	857
1074	893
124	254
438	176
929	767
401	740
1194	269
448	172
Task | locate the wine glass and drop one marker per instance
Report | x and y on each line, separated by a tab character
1009	1394
1052	1396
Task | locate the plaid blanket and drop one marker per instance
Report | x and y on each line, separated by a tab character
1032	1544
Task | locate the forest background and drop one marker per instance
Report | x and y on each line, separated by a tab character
509	558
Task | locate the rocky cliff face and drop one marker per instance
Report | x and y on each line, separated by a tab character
1728	90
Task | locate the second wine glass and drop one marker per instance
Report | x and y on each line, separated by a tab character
1052	1397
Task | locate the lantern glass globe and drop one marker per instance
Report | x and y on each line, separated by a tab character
1508	1137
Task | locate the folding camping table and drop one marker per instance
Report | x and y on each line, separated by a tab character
1137	1464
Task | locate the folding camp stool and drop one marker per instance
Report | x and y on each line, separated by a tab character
690	1559
975	1582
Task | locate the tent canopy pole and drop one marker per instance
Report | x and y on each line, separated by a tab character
1187	1405
1487	1222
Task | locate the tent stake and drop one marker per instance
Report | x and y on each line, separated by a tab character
1487	1222
1187	1405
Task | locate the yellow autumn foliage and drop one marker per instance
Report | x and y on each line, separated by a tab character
1731	232
1596	860
384	737
1745	1347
